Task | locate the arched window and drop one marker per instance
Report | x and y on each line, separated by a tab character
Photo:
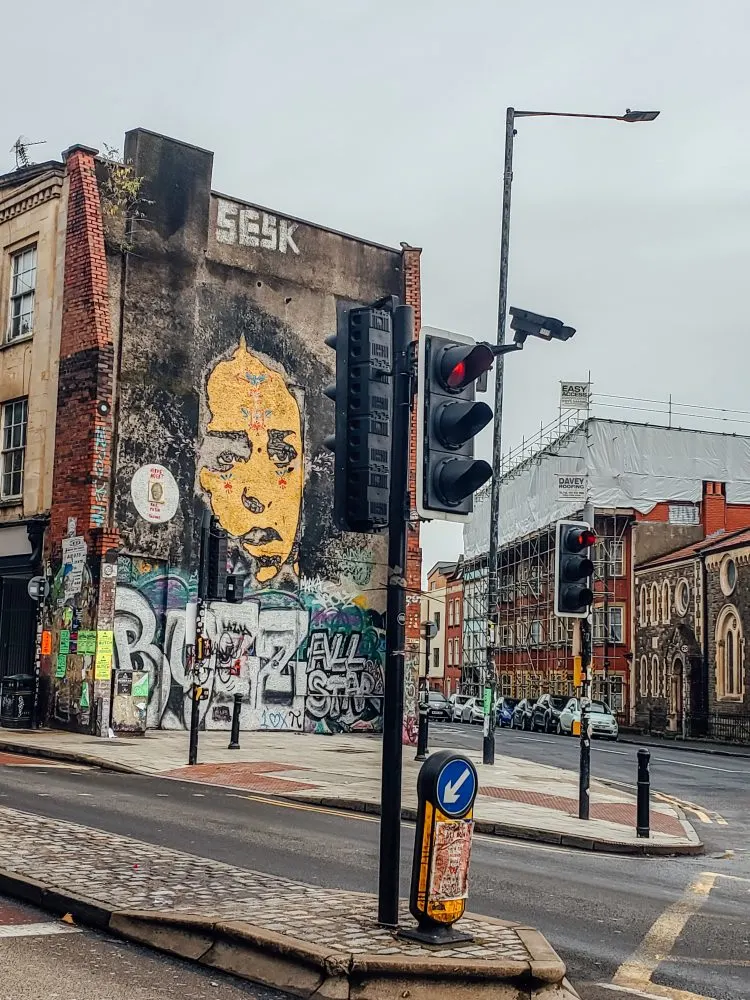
666	602
654	604
730	656
682	598
643	611
643	686
654	676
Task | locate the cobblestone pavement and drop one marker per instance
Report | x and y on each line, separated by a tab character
124	874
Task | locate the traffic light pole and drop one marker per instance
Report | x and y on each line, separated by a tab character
395	636
424	702
488	743
584	773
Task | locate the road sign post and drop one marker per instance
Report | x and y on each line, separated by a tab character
446	790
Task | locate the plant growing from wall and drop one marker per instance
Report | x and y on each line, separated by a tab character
121	198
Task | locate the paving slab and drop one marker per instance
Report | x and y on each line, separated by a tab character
308	940
517	798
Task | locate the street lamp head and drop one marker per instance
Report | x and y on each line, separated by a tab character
640	116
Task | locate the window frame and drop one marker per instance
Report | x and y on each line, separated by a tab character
681	609
598	628
729	625
5	451
27	293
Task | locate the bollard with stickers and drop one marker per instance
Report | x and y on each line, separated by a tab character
446	788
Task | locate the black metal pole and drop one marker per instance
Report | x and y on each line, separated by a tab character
395	637
584	773
194	722
584	768
234	738
642	823
424	705
488	742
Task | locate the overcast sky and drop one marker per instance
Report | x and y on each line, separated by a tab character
385	118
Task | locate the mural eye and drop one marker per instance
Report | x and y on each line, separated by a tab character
226	459
281	452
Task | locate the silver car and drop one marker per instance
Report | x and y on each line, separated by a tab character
601	719
458	702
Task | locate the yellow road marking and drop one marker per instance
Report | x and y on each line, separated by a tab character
658	943
734	878
664	992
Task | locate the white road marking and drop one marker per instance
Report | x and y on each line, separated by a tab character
703	767
36	930
734	878
657	945
621	753
668	994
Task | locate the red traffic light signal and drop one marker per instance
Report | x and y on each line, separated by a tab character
460	365
578	540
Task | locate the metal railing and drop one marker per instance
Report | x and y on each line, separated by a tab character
724	727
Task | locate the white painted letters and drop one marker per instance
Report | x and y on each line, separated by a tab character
251	227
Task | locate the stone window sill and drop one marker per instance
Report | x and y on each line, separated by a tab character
19	340
15	502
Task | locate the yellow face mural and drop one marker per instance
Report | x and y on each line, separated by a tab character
252	459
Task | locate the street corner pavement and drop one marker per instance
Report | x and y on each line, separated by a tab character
286	934
517	798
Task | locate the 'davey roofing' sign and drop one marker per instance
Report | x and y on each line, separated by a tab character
571	488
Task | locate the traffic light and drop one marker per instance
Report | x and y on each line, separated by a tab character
217	561
363	395
573	569
448	420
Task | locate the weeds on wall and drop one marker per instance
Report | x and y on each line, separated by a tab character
121	197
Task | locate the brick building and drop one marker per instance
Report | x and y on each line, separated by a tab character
437	608
652	489
692	614
454	594
177	340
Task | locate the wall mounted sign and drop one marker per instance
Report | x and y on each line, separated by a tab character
155	493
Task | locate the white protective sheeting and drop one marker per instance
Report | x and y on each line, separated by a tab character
628	466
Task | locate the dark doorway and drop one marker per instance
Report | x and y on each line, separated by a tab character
17	627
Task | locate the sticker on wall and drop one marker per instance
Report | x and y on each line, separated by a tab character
73	560
85	696
87	643
64	641
46	643
155	493
104	648
140	685
62	662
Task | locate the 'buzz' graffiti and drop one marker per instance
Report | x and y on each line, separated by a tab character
298	662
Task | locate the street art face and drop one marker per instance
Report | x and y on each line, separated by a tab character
252	459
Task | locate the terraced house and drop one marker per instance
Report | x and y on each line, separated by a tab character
163	353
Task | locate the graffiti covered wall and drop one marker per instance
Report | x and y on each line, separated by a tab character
225	311
306	661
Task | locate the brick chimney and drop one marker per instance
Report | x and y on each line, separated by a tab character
714	508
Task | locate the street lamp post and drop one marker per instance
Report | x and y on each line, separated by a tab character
488	745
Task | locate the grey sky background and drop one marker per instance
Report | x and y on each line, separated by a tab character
385	118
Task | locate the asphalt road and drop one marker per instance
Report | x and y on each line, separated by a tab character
44	959
718	786
661	925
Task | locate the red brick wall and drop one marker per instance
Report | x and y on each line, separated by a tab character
83	438
714	508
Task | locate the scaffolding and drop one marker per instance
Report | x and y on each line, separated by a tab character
474	638
535	647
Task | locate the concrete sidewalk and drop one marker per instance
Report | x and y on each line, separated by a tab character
309	941
517	798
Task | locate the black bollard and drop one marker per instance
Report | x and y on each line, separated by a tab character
423	724
234	739
584	773
642	823
196	693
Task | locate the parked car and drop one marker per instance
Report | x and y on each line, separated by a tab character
504	711
521	718
438	706
473	711
545	716
457	702
601	717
